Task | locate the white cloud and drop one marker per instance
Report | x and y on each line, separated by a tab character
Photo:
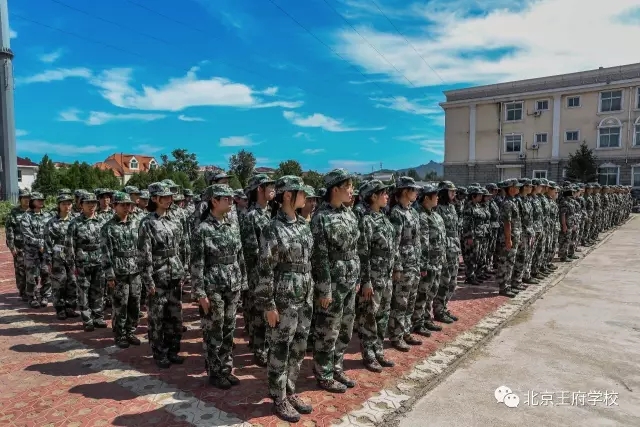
182	92
318	120
147	148
352	165
312	151
237	141
20	132
494	46
401	103
51	57
303	135
13	34
55	75
184	118
44	147
426	143
96	118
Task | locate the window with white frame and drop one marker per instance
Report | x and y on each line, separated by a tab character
609	131
572	135
539	174
635	176
512	143
610	101
542	105
608	174
573	102
565	171
19	175
513	111
636	133
133	164
541	138
152	164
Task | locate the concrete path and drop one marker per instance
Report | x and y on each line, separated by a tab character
572	358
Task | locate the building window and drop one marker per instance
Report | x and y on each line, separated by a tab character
564	173
542	105
572	136
133	164
573	102
152	164
635	176
19	175
541	138
513	111
636	133
638	98
513	143
611	101
608	175
609	133
539	174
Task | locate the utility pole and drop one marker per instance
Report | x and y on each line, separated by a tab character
8	156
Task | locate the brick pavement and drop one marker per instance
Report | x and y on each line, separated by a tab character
54	374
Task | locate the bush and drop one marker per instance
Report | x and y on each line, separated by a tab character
5	208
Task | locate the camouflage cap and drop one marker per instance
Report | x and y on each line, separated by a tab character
511	182
491	186
79	192
371	187
536	182
472	190
446	185
290	183
475	184
178	197
552	184
485	192
64	198
23	193
240	194
220	175
407	182
544	182
144	194
131	189
524	182
87	197
159	189
187	192
429	188
103	192
461	191
310	192
64	191
121	197
218	190
259	179
588	186
500	184
335	177
321	192
35	195
197	198
169	183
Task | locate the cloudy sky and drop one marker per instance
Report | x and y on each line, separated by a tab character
331	83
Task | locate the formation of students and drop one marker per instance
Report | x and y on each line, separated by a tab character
305	268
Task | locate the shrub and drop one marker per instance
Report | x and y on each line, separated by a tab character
5	208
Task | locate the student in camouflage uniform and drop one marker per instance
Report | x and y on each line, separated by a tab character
474	231
32	228
449	273
143	201
554	227
536	242
119	242
378	252
285	293
65	295
188	201
509	237
538	265
310	206
261	192
527	236
241	202
219	275
360	206
568	224
336	272
15	241
135	212
104	211
77	204
82	250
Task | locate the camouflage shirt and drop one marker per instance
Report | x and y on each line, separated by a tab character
104	215
15	239
32	228
406	223
182	231
437	235
567	209
217	262
377	247
452	226
536	213
474	221
360	209
55	236
510	212
285	263
82	246
526	214
251	228
119	243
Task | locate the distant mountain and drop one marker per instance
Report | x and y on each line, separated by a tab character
422	170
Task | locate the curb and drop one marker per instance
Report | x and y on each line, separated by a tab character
391	405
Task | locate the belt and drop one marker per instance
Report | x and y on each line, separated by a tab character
384	253
90	248
225	260
407	241
125	254
294	268
343	256
166	252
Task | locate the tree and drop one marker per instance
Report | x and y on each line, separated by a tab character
47	181
184	162
313	179
433	176
199	184
289	167
242	166
412	173
234	183
583	164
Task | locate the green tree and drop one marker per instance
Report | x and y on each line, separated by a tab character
433	176
234	182
583	164
47	181
183	161
242	166
199	184
412	173
313	179
288	167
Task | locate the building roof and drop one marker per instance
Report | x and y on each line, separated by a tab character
264	170
599	76
26	162
210	168
119	163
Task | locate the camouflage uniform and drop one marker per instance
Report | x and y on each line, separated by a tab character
554	228
449	272
119	242
285	285
536	222
218	273
15	243
180	217
567	210
162	273
82	249
65	295
526	238
32	228
494	222
106	213
474	232
336	272
509	214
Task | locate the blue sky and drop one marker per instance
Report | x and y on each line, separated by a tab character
330	83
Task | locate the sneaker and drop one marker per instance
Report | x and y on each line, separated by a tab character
432	326
163	362
332	386
443	318
372	365
411	340
423	331
34	303
122	342
451	316
176	359
385	363
341	377
72	313
285	411
61	315
133	340
507	293
299	404
89	327
233	379
400	345
100	323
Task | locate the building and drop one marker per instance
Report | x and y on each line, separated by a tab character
125	165
528	128
27	173
268	171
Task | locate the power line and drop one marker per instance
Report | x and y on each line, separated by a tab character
406	40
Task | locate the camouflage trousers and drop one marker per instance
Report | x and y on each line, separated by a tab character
90	282
522	257
403	302
539	252
37	272
535	246
552	246
565	242
333	329
288	341
165	318
126	305
427	291
20	272
491	249
483	264
258	327
374	314
584	232
448	282
507	262
218	329
65	292
471	254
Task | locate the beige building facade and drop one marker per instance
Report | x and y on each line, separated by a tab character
529	128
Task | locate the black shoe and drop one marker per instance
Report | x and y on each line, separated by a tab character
184	328
574	257
141	315
443	318
343	379
99	323
422	331
411	340
260	359
176	359
61	315
24	297
400	345
133	340
531	281
372	365
122	342
519	287
507	293
385	363
34	303
332	386
299	404
432	326
44	302
451	316
163	363
233	379
89	327
72	313
285	411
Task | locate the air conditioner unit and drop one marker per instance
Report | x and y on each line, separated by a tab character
522	156
537	113
535	146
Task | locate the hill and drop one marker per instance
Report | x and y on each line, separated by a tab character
422	170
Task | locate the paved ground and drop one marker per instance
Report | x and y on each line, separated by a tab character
54	374
573	357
